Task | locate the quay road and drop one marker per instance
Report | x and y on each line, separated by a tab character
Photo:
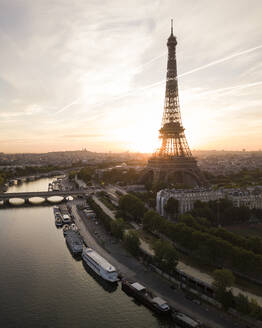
129	267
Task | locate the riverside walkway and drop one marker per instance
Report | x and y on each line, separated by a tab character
97	238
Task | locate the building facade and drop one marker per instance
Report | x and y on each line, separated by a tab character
187	198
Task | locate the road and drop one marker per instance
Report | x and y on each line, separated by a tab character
129	267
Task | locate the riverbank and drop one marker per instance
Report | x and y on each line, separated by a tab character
42	284
96	237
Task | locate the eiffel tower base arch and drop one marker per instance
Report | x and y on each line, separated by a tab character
183	171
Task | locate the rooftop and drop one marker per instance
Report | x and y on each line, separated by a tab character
99	259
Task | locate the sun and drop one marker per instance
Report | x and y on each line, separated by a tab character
144	144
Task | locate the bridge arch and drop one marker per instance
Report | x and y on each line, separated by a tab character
35	200
55	199
16	201
20	198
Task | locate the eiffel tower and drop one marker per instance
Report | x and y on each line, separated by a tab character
173	161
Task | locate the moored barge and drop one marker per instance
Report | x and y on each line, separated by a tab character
146	297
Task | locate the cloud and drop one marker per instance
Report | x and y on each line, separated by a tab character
85	136
101	66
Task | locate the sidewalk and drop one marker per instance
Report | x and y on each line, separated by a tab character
129	267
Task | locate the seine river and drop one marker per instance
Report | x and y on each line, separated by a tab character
42	285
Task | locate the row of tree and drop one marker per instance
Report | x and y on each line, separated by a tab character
148	197
166	257
122	176
223	280
25	171
217	212
243	178
222	212
117	229
204	245
131	207
86	174
250	243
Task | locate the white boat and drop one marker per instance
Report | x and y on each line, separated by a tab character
99	265
66	218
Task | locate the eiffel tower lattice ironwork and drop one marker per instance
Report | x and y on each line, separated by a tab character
174	156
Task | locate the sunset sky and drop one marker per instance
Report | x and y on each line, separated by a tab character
91	73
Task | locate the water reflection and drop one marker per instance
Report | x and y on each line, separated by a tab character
43	286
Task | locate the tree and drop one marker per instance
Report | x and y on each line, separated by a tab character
226	298
242	303
150	221
1	180
188	219
132	242
223	278
172	206
131	205
166	255
86	173
255	309
71	175
117	228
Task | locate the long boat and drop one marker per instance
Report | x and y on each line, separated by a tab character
146	297
99	265
74	242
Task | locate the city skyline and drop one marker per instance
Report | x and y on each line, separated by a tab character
92	75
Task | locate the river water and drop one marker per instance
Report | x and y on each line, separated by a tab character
42	285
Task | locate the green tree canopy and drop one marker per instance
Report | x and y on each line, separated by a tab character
86	173
118	227
151	220
1	180
131	205
132	242
165	255
223	278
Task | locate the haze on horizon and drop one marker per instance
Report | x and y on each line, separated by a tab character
91	74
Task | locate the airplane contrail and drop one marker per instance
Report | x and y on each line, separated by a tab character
151	61
137	90
235	87
74	102
240	86
188	72
221	60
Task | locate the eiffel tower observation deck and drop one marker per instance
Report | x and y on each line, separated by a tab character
173	161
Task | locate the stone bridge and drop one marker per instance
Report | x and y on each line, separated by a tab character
5	197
